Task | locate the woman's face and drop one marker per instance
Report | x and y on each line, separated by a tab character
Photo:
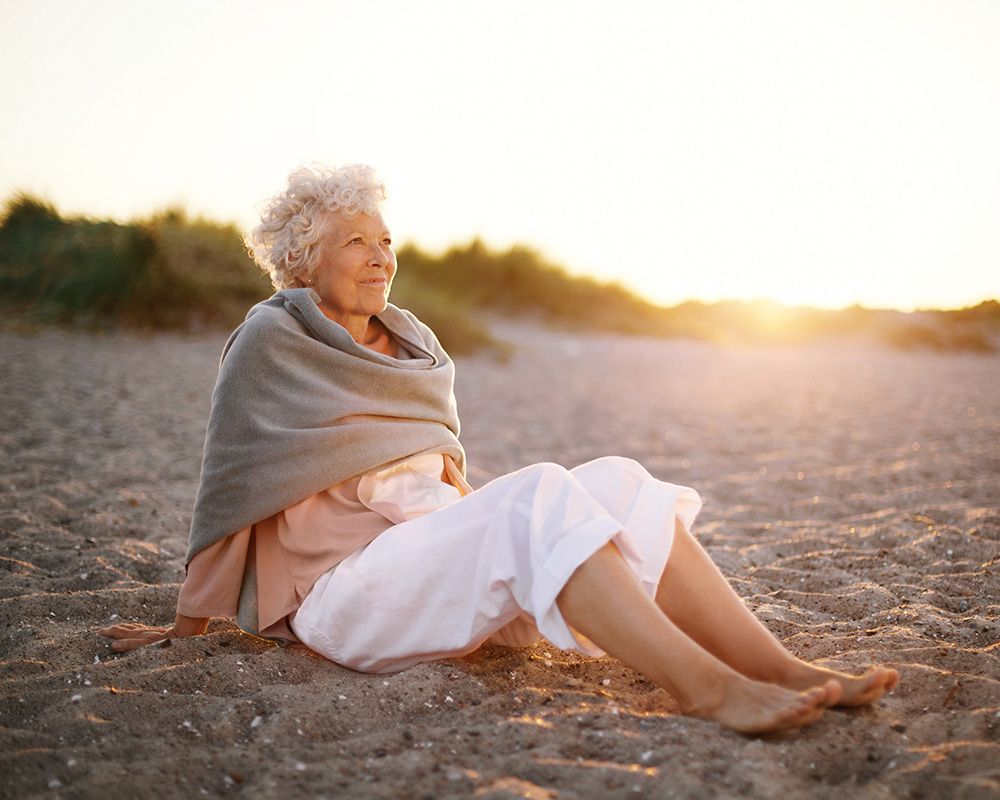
356	266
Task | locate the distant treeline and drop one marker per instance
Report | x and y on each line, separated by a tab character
170	271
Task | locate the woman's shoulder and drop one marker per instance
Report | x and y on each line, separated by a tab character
426	335
267	325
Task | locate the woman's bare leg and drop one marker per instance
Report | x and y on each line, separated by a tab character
604	601
700	601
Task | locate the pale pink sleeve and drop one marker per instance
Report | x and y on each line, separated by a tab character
214	578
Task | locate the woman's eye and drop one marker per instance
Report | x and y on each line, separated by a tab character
357	240
387	242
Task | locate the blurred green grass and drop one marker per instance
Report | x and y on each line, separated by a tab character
166	271
173	272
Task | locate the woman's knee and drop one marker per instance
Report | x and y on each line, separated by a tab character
544	472
611	467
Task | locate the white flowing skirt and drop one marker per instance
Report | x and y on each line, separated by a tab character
490	566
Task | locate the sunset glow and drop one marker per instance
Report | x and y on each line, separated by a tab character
809	153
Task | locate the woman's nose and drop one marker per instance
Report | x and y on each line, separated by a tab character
379	256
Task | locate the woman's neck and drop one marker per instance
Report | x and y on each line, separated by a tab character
369	332
360	327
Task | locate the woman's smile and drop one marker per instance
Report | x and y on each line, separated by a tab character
355	256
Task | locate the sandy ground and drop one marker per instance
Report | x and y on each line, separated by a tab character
852	495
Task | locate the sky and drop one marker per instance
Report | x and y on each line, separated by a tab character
818	153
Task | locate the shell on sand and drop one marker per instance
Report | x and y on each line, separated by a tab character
852	496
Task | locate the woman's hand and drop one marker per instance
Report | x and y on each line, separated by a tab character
131	635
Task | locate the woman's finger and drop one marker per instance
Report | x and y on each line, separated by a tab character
132	626
124	645
127	629
133	643
113	630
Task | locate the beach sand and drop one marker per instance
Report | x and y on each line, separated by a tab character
852	495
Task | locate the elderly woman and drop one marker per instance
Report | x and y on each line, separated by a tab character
333	508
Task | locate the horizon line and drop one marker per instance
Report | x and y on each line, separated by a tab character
479	238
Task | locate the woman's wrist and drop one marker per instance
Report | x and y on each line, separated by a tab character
188	626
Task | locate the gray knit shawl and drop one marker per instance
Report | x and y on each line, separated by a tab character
299	406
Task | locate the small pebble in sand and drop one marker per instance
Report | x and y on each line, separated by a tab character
256	722
113	616
645	756
300	766
963	606
55	783
76	698
71	762
448	698
606	682
341	696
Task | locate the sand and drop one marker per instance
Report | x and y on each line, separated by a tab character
851	494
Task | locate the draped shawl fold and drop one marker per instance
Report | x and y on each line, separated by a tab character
299	406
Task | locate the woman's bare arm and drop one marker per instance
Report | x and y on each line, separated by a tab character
130	635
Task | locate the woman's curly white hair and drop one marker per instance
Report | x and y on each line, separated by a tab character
284	244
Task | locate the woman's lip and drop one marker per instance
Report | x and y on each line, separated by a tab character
374	281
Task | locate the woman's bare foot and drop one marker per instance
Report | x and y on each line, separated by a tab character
749	706
856	690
